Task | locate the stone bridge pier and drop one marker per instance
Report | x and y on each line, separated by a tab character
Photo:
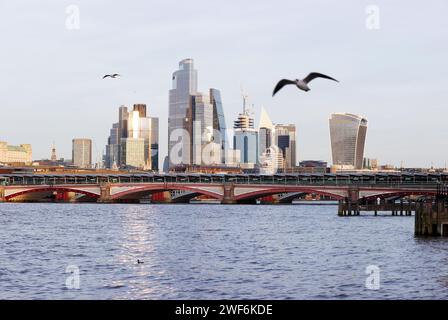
2	194
105	196
229	194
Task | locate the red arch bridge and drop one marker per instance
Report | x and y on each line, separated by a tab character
349	189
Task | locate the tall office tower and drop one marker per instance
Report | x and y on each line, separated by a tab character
265	132
265	139
123	116
133	125
202	130
219	122
285	139
348	136
133	152
179	113
154	144
82	153
112	158
141	126
245	138
141	108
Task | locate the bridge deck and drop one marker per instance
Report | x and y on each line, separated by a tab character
379	179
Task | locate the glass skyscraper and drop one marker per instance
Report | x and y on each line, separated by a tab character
245	140
219	122
285	139
155	144
348	136
134	130
196	121
112	158
202	131
133	152
179	113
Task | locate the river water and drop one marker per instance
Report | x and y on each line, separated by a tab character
213	252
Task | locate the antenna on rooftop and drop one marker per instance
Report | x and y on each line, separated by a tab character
245	98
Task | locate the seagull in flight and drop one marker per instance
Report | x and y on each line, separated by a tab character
111	75
301	84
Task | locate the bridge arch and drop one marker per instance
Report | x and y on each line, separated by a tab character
140	192
49	189
400	194
273	191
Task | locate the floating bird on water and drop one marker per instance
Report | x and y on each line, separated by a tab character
111	75
139	261
301	84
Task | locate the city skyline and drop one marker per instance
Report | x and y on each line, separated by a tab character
62	95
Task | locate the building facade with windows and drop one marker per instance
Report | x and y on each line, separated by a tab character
285	140
82	153
348	136
134	130
22	154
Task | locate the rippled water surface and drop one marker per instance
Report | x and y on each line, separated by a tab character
213	252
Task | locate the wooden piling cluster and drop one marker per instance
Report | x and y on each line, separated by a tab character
354	208
431	216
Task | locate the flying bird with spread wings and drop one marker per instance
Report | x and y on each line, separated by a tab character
113	76
301	84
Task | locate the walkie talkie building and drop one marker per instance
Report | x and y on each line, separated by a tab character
348	137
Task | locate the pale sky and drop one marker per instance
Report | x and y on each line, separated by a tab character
396	76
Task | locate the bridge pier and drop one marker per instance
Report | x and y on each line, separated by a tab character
2	194
228	194
105	196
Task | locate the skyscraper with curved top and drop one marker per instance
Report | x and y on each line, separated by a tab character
348	137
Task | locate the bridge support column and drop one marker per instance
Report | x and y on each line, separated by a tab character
105	196
2	194
229	194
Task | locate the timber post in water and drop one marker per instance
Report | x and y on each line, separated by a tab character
431	217
352	205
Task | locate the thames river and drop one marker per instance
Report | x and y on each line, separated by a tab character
213	252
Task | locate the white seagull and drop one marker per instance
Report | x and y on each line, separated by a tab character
301	84
111	75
